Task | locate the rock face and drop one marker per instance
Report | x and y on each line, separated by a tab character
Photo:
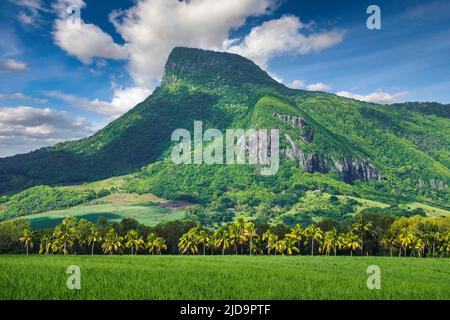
352	170
349	169
306	132
433	183
310	162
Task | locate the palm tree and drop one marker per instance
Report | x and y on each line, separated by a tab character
27	239
45	244
93	237
155	244
361	229
160	245
314	234
418	246
279	246
405	238
236	235
151	244
289	245
445	245
202	238
134	241
221	239
250	233
297	235
112	243
271	240
388	241
332	241
188	242
66	232
351	242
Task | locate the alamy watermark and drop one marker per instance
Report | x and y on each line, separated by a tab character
74	277
242	146
374	280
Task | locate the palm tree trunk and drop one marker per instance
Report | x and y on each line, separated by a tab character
312	246
92	250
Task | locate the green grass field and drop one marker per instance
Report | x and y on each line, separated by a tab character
222	277
145	214
114	207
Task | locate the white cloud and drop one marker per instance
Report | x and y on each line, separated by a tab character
24	128
283	36
153	28
12	65
86	42
319	86
22	97
297	84
123	100
30	11
375	97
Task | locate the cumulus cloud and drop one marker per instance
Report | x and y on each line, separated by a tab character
153	28
375	97
22	97
319	86
86	42
122	100
25	128
11	65
283	36
297	84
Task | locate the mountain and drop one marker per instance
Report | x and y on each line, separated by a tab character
328	142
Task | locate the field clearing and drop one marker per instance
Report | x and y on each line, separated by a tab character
146	214
431	211
222	277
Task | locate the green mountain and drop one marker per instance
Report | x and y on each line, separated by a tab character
396	153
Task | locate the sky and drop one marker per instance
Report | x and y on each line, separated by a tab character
69	67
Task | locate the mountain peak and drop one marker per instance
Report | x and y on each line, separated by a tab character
212	67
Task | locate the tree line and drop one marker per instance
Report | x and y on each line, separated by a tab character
367	235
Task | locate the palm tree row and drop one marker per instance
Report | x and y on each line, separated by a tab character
70	235
241	235
413	236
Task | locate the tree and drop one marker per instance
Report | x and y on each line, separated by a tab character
271	239
202	238
155	244
314	234
134	241
250	234
221	239
332	241
236	235
66	233
351	242
93	237
188	242
361	229
405	238
112	242
160	245
388	241
296	234
27	239
45	244
280	246
290	246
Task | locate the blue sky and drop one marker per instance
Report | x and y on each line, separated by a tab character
60	83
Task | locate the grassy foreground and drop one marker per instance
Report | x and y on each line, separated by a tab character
217	277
